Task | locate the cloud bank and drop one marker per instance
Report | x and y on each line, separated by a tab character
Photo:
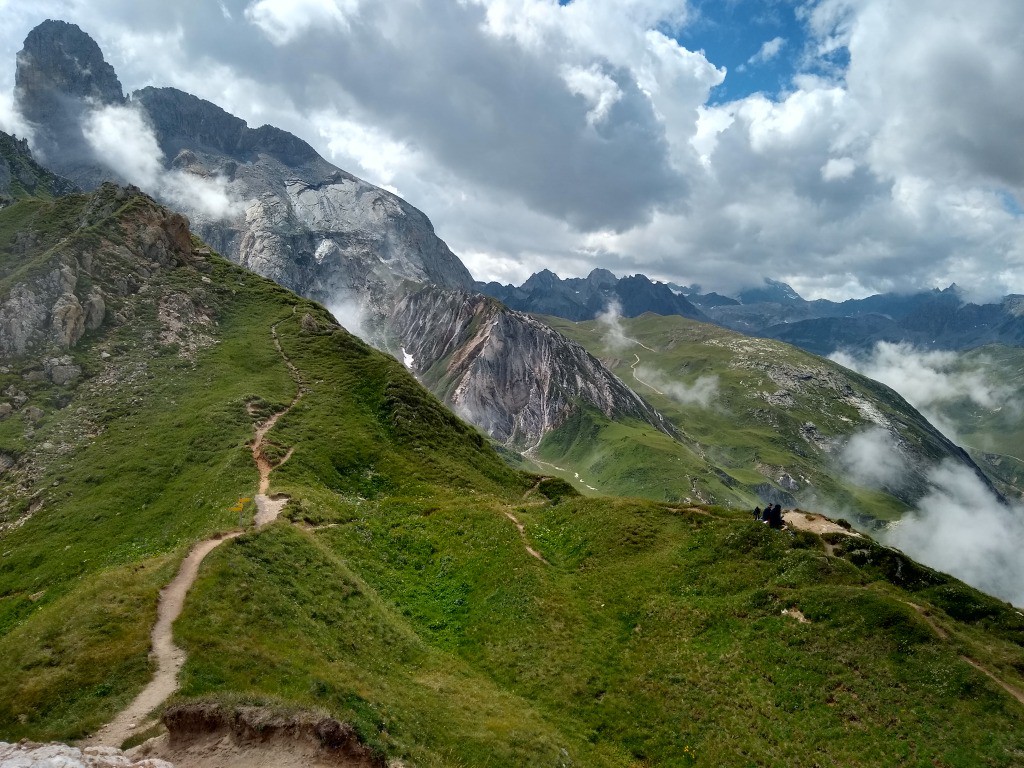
959	527
929	380
122	137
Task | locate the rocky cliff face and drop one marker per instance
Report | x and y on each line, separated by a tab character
53	293
61	74
502	370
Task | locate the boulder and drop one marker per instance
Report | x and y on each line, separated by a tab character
62	370
67	320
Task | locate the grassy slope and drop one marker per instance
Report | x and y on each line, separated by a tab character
744	439
403	598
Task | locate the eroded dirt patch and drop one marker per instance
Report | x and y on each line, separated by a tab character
211	736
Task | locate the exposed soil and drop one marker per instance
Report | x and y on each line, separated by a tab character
1015	692
169	657
268	508
796	614
210	736
809	521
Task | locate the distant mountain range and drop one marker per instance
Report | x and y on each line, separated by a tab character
937	319
586	298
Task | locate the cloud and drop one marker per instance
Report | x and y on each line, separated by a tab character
536	134
702	392
959	527
768	51
614	337
871	458
11	120
930	379
121	137
354	317
285	20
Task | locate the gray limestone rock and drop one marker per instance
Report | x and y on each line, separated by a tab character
504	371
67	320
62	370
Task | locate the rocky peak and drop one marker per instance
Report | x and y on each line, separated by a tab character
541	281
185	122
60	75
59	58
602	278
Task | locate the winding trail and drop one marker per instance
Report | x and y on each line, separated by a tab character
942	634
522	532
638	379
169	657
268	507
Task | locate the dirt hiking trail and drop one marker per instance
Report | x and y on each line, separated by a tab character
169	657
522	533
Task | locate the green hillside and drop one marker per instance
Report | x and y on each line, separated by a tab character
397	592
757	417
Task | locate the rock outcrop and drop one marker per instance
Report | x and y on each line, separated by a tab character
21	175
54	306
504	371
61	75
31	755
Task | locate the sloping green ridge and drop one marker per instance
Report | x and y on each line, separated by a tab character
739	439
399	596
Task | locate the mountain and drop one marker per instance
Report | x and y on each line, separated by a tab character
60	76
771	292
278	209
21	175
287	214
415	602
585	298
758	421
504	371
937	319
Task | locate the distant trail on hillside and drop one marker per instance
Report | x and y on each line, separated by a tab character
522	533
633	367
169	657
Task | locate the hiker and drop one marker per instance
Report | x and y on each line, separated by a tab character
775	518
757	513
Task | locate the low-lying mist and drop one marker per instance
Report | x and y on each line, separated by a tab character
126	143
929	380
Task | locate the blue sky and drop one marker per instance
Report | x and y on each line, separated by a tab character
732	34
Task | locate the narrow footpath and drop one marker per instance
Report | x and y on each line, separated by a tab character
169	657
